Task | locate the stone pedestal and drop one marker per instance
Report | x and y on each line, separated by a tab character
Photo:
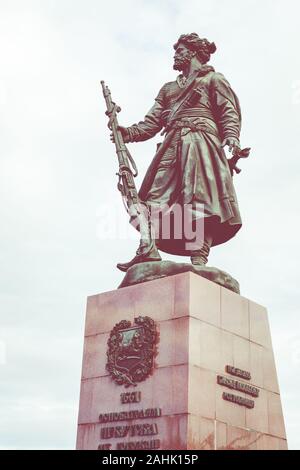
214	357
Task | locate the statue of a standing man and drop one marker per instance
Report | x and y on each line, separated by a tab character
200	115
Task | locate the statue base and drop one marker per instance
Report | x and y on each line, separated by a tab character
213	385
151	270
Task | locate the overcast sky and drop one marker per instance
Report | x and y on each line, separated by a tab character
57	174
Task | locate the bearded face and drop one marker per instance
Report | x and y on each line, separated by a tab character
182	58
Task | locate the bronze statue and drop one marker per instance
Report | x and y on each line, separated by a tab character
200	115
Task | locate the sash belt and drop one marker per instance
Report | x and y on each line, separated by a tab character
194	127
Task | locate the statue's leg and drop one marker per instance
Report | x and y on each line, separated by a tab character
200	257
147	250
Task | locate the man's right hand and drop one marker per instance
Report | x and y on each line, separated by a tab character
124	132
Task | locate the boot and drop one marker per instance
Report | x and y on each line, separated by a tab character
145	252
200	257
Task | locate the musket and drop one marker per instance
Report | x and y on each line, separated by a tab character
127	167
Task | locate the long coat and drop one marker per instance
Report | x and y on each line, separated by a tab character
190	167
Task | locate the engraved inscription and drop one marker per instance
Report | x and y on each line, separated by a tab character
239	386
236	385
134	430
129	415
117	432
139	445
130	397
104	446
243	374
238	400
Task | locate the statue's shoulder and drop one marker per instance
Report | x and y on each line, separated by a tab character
167	90
216	77
169	85
218	80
